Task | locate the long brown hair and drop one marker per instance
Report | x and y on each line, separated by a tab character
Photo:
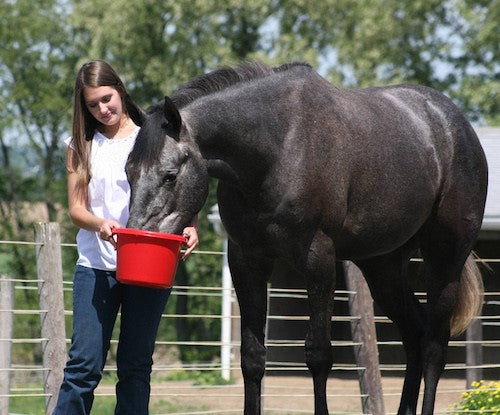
93	74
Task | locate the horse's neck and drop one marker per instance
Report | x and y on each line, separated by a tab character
232	145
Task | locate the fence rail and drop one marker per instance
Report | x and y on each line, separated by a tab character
54	341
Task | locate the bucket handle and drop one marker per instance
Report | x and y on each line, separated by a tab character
114	233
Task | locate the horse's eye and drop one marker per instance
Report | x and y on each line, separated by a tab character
170	176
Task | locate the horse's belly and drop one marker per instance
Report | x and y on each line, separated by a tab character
374	240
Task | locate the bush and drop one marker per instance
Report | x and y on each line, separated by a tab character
483	399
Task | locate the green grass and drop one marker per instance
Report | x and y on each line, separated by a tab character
28	405
164	407
103	405
200	378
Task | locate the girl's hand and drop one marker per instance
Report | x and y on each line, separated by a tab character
106	231
191	235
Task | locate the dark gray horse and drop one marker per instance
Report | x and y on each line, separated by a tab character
311	174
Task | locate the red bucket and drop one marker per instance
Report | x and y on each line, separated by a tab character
146	258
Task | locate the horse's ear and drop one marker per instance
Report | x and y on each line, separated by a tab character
173	118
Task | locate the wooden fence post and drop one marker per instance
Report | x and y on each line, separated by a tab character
363	332
6	330
50	289
474	353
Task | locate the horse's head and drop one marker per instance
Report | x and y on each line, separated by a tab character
166	172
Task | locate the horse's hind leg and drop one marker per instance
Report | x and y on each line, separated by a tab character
387	278
445	252
250	276
320	274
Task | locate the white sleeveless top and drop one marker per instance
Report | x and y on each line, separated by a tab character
108	197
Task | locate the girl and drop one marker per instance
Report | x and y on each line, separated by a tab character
105	124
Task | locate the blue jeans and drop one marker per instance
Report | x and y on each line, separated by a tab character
97	297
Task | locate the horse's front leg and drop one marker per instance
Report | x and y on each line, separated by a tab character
320	275
250	275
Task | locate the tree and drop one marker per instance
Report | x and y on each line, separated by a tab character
157	46
36	79
35	65
451	46
477	62
35	72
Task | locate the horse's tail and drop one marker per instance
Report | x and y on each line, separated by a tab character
470	298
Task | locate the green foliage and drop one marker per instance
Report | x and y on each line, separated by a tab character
452	46
167	43
483	399
36	76
478	64
199	377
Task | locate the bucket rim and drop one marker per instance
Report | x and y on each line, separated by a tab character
151	234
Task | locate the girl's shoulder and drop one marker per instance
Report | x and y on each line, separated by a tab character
70	143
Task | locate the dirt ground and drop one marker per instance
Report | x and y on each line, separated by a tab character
289	395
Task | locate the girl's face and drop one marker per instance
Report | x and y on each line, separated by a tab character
104	103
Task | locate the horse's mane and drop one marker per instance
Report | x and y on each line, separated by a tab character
225	77
147	149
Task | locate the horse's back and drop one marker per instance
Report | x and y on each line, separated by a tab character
408	124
